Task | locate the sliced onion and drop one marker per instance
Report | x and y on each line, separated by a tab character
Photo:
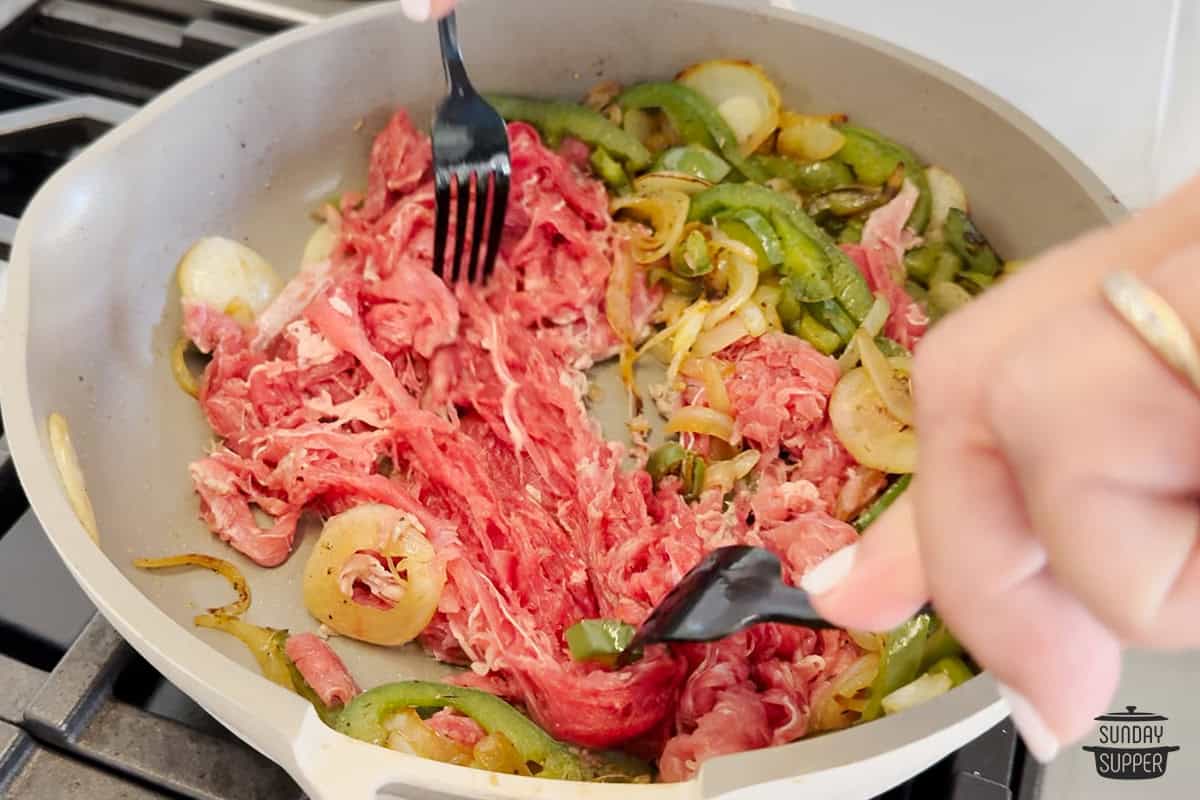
766	295
872	324
890	377
755	319
724	243
742	93
714	341
671	307
670	182
67	461
868	430
877	317
179	367
697	309
702	420
767	299
694	368
213	564
227	275
399	539
640	124
945	193
409	734
837	704
266	644
319	246
602	94
743	281
725	474
690	325
665	212
867	641
714	385
809	138
924	688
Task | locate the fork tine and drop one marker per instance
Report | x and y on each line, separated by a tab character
479	229
500	179
442	223
463	190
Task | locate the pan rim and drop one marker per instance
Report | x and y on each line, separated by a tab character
132	612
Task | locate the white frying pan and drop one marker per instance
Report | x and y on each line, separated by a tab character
247	148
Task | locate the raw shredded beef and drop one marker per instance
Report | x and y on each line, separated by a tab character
369	381
322	669
885	239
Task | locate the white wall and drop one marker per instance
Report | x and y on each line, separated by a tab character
1092	72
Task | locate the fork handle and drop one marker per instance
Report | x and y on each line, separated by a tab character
452	59
792	606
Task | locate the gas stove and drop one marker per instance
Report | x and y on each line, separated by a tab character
81	715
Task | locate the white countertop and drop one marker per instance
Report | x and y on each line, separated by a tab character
1095	73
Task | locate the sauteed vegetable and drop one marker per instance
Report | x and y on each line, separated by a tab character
780	267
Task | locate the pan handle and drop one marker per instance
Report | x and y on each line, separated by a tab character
330	766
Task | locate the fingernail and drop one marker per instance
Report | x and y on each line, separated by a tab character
830	572
416	10
1038	737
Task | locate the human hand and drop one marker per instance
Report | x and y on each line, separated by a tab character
422	10
1056	514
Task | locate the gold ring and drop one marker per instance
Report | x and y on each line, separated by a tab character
1158	325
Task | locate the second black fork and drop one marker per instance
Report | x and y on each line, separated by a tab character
470	157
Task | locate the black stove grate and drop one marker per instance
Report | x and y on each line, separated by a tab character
88	717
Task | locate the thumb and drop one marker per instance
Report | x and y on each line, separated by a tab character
877	582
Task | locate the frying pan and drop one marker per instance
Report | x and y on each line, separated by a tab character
246	148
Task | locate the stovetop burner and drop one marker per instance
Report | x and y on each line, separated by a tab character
81	715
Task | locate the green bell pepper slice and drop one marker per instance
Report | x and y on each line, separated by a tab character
899	662
695	160
692	471
975	282
917	292
852	233
602	641
816	334
812	176
365	716
666	460
753	230
834	317
946	267
846	202
954	668
805	264
965	239
790	307
676	283
694	118
939	644
608	170
556	120
890	347
874	158
690	258
882	503
849	286
920	262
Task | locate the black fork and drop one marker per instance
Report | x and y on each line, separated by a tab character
730	590
470	150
